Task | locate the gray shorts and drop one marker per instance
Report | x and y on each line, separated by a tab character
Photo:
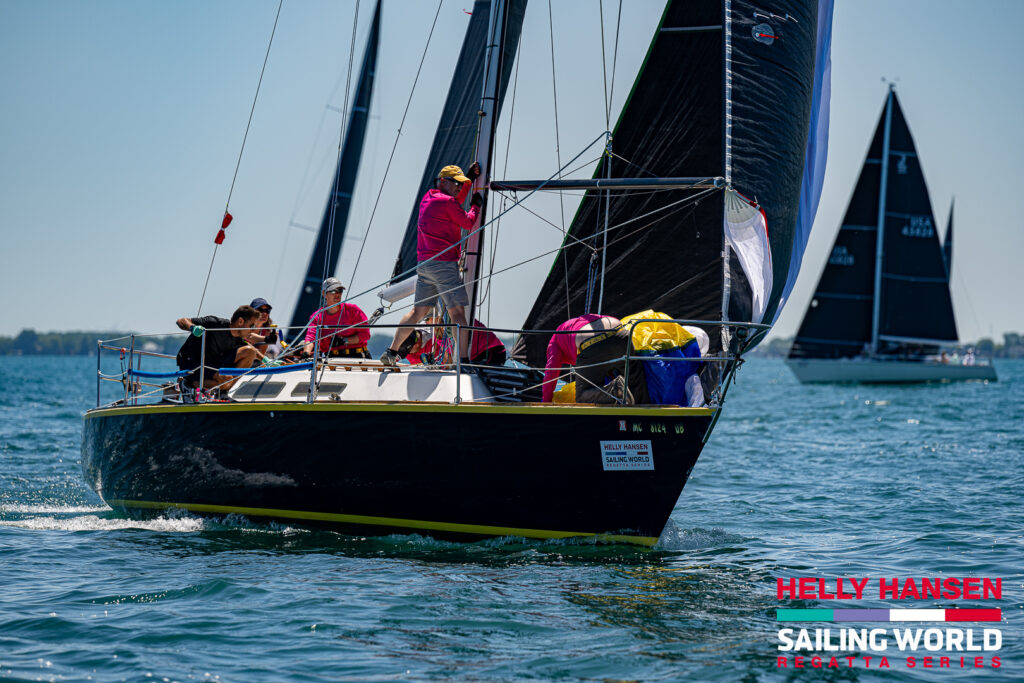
440	278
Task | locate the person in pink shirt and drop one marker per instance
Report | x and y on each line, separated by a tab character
350	343
439	231
563	349
486	348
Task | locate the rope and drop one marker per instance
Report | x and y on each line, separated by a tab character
398	135
591	280
238	164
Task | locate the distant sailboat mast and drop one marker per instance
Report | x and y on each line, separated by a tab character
947	244
331	234
880	234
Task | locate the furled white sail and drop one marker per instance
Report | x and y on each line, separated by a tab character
746	230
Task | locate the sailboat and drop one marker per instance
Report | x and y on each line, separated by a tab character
668	222
882	310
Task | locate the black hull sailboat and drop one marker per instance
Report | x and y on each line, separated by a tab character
437	450
882	310
558	477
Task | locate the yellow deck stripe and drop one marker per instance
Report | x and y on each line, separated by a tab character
382	521
406	407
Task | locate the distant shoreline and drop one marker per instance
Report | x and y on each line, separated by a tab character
28	342
31	343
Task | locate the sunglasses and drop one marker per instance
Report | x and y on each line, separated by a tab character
264	310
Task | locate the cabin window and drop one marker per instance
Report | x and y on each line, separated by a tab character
258	390
326	388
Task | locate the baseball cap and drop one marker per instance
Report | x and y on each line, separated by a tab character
260	301
453	172
332	284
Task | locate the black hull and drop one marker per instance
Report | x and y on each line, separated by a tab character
459	472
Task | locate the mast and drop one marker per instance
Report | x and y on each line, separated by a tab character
880	234
455	137
331	235
485	143
947	245
726	157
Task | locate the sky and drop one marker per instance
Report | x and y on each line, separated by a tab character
122	122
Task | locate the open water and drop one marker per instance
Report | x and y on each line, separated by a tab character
907	481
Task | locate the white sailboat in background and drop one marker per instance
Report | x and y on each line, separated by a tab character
882	310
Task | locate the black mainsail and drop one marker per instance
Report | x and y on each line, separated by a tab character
725	91
455	139
882	297
331	235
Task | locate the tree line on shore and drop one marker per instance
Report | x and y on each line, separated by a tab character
32	343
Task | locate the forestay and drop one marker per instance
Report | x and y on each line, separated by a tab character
725	91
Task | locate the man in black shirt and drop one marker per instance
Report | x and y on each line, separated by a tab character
226	346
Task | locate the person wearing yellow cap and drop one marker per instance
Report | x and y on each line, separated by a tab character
439	230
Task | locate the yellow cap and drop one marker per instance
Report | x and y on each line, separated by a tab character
453	172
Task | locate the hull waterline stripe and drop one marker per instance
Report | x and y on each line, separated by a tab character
546	409
946	615
480	529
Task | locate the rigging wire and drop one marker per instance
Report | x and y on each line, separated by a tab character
604	71
634	164
678	206
406	273
346	121
504	172
391	158
615	57
558	150
575	240
967	295
241	151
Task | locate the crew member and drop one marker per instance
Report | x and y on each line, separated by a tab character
601	370
439	229
226	346
565	344
266	337
338	338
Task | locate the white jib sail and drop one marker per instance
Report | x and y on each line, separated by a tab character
746	230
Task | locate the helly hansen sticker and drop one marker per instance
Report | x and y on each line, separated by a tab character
627	455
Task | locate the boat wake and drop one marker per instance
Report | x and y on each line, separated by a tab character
51	509
674	538
88	518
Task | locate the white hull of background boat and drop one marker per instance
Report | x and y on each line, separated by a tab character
812	370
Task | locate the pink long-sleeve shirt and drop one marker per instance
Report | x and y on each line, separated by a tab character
442	220
348	314
563	349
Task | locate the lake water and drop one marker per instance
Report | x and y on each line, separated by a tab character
797	481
